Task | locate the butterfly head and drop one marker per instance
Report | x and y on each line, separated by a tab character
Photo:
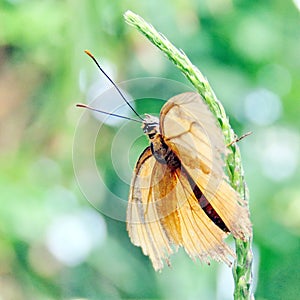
150	126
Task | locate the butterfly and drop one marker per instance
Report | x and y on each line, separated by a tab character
179	194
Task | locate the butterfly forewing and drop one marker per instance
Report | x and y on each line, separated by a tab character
199	144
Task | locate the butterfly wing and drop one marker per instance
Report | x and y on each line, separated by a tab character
200	237
190	130
163	214
143	222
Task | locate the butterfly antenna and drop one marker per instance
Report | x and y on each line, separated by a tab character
106	113
116	87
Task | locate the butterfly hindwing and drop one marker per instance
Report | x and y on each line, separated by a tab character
201	238
143	223
182	218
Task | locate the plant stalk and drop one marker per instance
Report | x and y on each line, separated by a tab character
243	264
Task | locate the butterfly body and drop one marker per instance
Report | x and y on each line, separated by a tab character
179	193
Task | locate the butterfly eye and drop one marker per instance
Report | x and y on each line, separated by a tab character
150	128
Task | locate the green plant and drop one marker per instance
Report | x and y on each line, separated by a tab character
242	265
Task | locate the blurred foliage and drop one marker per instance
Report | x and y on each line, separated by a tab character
53	243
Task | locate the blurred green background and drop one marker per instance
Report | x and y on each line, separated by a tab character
53	243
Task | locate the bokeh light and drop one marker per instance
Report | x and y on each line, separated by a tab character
71	238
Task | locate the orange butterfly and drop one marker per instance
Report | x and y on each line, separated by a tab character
179	192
